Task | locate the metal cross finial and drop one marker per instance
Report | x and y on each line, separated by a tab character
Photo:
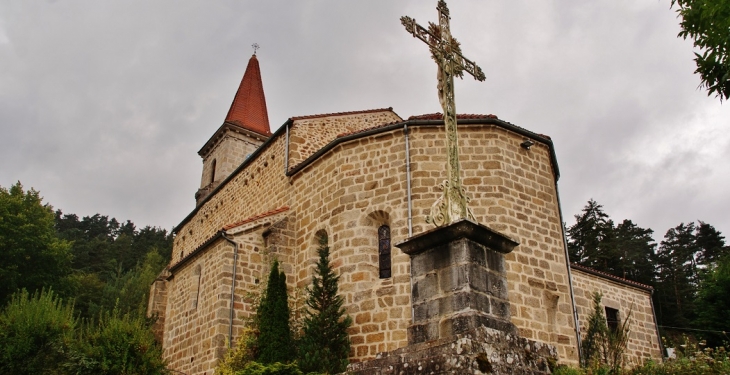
446	51
255	47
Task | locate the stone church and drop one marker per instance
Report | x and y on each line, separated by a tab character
367	180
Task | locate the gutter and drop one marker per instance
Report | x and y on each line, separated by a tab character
570	276
286	148
656	326
408	183
233	287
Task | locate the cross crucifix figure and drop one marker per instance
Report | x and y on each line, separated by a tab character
445	50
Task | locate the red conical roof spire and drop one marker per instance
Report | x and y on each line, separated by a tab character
248	109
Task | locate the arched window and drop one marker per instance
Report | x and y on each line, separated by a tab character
212	171
384	251
321	238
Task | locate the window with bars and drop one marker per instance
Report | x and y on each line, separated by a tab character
384	251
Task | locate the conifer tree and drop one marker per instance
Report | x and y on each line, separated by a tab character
275	339
593	342
325	345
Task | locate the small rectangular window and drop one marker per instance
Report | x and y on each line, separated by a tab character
612	319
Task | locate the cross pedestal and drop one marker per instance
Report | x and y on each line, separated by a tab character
461	322
459	281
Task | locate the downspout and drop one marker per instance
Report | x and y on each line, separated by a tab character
656	325
410	213
408	182
286	150
233	288
570	275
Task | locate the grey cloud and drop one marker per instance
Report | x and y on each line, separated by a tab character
103	106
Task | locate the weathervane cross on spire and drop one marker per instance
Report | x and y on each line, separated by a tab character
446	51
255	47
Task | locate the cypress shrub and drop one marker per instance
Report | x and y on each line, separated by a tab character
275	338
325	345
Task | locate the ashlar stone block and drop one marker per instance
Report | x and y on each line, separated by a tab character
459	281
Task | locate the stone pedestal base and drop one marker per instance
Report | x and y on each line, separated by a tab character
461	314
459	282
478	351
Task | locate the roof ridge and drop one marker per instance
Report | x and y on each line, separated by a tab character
610	276
255	217
341	113
439	116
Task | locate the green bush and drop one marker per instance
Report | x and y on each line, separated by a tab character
35	332
245	352
690	361
255	368
566	370
117	345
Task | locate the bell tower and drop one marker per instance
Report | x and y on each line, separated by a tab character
245	128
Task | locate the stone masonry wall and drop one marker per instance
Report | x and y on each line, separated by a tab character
310	133
361	184
196	324
228	153
199	317
643	340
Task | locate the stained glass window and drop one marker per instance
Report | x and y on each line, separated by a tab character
384	251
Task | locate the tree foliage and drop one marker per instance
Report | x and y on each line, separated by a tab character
116	344
714	299
707	22
604	348
325	344
33	255
683	258
596	333
275	341
684	269
35	333
624	250
113	263
105	266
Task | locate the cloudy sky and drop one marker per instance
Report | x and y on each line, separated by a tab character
104	104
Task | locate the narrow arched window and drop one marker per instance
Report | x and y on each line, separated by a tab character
384	251
196	286
212	171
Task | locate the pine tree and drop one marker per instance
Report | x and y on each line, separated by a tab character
676	276
635	249
713	302
590	237
275	339
325	345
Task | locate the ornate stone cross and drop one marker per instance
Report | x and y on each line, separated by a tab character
445	50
